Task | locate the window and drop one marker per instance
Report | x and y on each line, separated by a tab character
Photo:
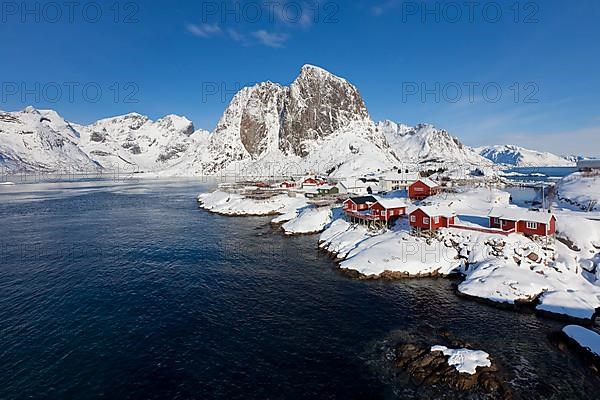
426	221
436	220
496	220
532	225
413	218
418	189
391	213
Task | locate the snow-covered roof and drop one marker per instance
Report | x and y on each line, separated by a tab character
521	214
433	211
392	203
429	182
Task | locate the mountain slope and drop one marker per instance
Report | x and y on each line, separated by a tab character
319	122
425	143
521	157
40	141
134	143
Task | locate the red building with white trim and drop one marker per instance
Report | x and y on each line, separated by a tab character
423	188
521	220
431	218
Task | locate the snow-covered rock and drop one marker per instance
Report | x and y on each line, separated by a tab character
234	204
521	157
465	360
587	339
308	220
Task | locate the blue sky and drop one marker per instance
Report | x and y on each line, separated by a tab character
409	60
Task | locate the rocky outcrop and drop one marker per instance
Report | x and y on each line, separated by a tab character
432	369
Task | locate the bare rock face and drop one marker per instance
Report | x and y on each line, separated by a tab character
259	125
318	104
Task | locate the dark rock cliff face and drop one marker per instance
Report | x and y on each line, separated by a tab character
317	105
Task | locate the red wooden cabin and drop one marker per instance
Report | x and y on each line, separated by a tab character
288	184
423	188
361	203
431	218
388	210
520	220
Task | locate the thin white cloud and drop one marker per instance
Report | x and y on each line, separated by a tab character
204	30
270	39
237	36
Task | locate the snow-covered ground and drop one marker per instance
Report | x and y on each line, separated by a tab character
389	253
517	269
235	204
579	191
465	360
587	339
308	220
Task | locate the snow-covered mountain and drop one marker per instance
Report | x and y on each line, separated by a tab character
40	141
319	122
521	157
135	143
425	143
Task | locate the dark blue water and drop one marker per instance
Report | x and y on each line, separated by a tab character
126	290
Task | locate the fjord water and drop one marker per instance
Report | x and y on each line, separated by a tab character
127	290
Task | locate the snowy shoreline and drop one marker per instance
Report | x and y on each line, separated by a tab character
510	271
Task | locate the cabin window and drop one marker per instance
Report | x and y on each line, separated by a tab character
496	220
418	189
436	220
426	221
391	213
532	225
413	218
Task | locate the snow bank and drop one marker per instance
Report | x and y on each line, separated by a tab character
503	281
341	237
587	339
580	190
465	360
516	269
400	253
309	220
235	204
7	183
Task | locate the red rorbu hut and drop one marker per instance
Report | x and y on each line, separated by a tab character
423	188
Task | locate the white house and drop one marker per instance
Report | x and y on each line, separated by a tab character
358	187
397	179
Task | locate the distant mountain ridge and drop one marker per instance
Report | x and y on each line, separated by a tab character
522	157
318	123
